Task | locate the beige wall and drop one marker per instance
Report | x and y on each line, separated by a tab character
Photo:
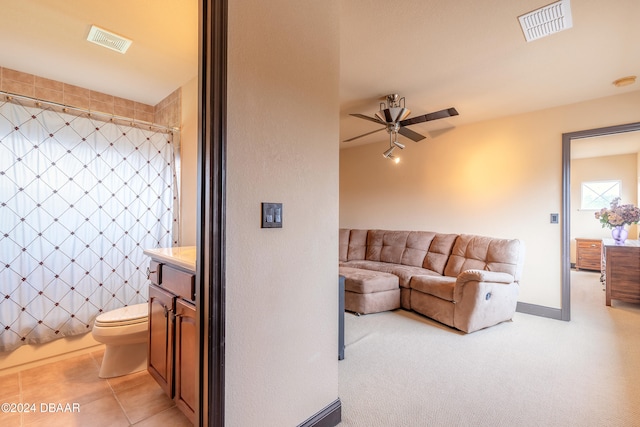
498	178
282	146
189	163
623	168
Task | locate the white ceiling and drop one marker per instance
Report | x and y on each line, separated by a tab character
467	54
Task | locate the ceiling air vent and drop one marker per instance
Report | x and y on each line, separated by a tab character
108	39
546	20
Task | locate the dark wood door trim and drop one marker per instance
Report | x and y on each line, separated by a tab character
210	268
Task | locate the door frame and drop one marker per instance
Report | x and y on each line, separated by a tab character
567	138
210	235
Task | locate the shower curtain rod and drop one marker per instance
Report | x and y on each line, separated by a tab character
109	117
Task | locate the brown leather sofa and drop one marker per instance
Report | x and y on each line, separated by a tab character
464	281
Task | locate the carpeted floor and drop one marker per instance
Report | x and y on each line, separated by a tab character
402	369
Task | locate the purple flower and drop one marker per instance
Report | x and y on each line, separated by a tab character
618	214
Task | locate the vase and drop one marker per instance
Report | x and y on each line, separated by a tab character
619	234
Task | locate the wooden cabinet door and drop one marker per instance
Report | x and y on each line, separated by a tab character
160	360
186	358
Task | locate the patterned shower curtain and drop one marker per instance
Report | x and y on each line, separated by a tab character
80	199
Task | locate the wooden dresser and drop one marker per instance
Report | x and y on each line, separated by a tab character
588	254
622	270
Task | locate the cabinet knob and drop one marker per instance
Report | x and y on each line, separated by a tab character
149	273
167	310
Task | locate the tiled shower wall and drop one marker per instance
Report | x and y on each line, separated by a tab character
166	113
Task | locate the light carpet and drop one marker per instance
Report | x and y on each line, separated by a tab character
402	369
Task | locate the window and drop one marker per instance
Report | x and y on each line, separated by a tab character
599	194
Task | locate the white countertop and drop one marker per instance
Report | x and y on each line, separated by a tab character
180	256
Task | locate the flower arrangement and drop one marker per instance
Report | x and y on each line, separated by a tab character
618	215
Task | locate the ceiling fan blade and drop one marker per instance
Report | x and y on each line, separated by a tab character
371	119
364	134
431	116
414	136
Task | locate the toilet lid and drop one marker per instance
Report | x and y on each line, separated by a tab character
128	315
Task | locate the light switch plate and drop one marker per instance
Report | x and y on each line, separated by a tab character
271	215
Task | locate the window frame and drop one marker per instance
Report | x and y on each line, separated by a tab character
583	184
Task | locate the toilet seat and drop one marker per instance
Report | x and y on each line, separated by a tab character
124	316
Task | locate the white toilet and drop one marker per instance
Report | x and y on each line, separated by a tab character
124	332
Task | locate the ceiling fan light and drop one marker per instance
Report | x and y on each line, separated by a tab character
387	154
625	81
393	114
398	144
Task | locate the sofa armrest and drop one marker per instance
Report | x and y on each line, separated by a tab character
483	298
484	276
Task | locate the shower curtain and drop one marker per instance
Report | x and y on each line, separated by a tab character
80	199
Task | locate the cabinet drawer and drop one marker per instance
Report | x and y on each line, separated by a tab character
589	246
178	282
153	274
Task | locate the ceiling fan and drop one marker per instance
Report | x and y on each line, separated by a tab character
393	116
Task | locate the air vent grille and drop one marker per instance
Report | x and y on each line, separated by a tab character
546	20
108	39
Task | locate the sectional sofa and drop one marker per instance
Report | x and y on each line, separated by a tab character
465	281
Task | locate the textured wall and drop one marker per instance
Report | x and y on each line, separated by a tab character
281	294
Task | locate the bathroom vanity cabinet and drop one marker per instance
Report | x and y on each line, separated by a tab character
172	358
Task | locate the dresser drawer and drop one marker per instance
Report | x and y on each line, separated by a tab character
178	282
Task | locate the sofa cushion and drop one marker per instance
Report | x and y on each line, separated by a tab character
366	282
357	244
394	244
404	272
386	246
439	286
417	246
374	245
343	244
439	252
485	253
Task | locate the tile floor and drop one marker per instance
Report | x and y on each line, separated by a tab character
70	393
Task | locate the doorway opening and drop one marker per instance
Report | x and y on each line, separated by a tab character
567	139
